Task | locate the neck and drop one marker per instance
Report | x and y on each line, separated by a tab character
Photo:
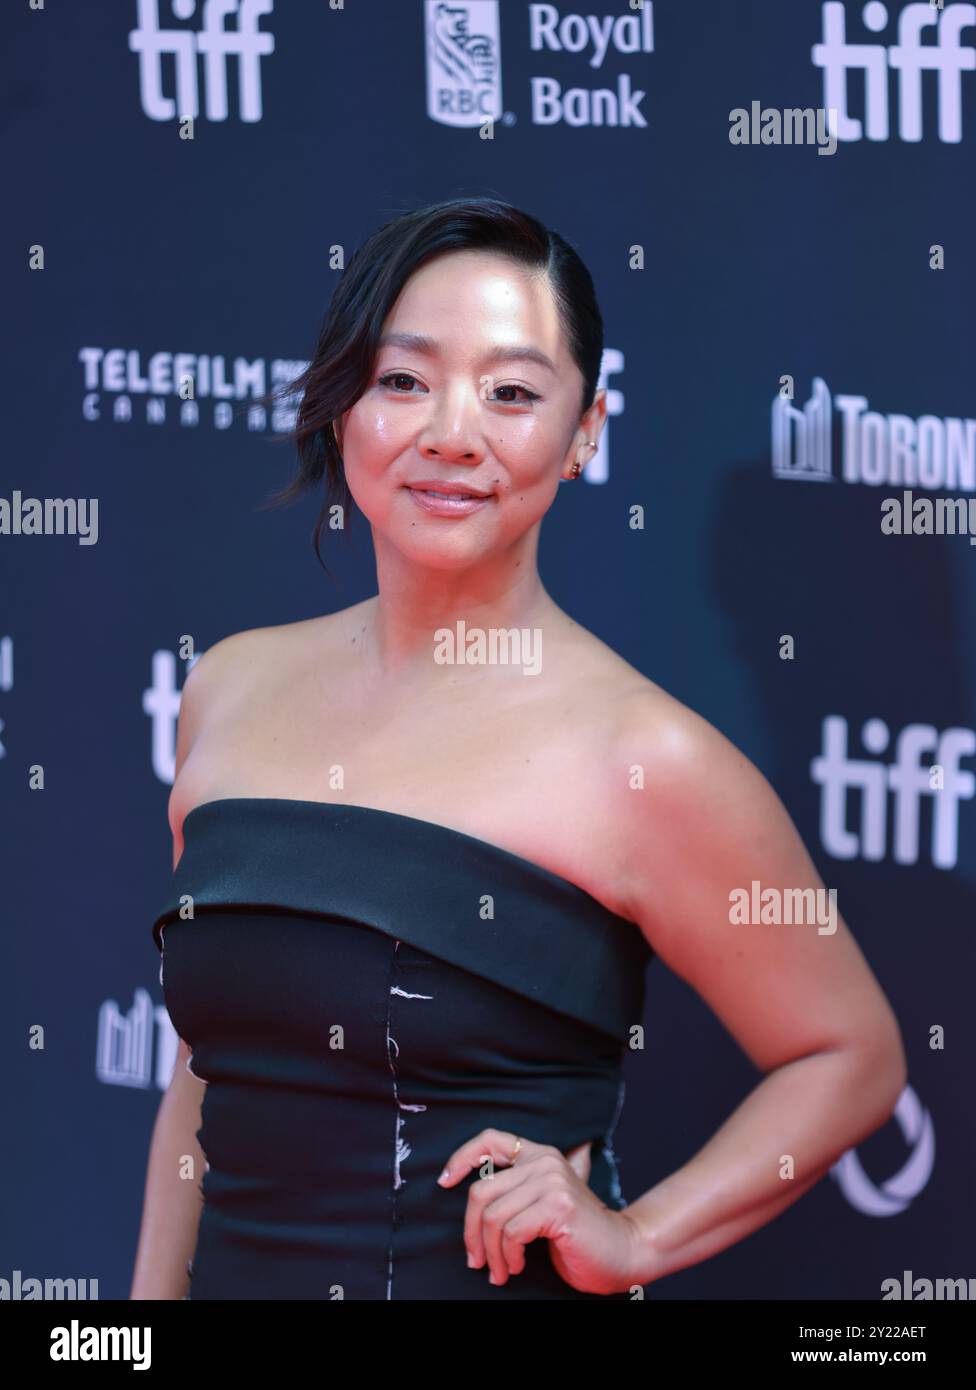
415	602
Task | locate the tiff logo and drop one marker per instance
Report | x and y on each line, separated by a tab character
928	40
215	45
908	778
161	702
612	363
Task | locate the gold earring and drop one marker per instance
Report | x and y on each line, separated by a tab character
577	467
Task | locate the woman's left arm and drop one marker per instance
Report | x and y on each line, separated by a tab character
707	841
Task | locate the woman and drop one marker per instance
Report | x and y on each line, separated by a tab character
424	888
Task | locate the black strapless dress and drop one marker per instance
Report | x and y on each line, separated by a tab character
363	992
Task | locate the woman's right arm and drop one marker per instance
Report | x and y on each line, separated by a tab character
173	1200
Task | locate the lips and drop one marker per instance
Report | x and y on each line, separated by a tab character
465	496
452	504
438	489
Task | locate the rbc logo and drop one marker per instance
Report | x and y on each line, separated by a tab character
215	45
463	62
926	763
941	53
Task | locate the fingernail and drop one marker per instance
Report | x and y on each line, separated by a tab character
472	1262
444	1176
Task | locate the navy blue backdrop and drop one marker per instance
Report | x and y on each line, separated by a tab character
788	345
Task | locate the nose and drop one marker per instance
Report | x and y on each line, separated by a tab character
442	451
453	429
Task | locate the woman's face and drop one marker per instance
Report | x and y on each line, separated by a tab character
466	406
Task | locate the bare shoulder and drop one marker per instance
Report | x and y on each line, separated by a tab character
231	687
696	811
598	673
676	788
232	666
684	766
683	748
704	829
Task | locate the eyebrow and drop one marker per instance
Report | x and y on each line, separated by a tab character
420	342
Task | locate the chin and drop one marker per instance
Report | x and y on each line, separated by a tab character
445	556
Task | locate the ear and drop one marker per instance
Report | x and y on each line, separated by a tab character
590	426
596	416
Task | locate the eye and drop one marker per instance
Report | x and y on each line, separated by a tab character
528	395
391	377
390	380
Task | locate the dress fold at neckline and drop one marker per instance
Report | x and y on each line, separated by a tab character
456	896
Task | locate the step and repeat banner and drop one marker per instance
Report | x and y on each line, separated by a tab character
776	204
